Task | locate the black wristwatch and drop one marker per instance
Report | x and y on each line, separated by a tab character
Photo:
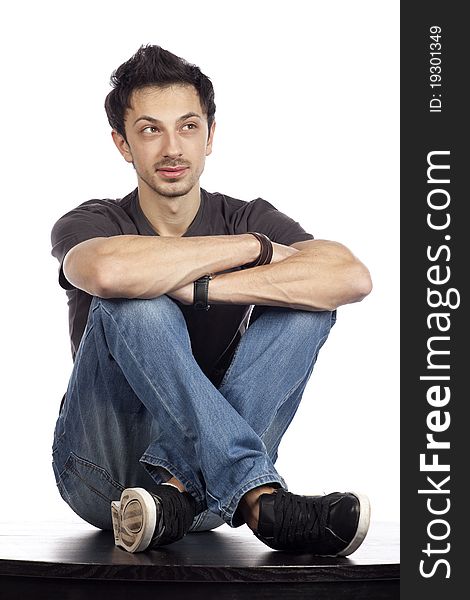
201	291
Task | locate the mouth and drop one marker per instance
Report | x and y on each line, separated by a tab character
172	172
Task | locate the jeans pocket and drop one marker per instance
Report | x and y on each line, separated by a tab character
88	489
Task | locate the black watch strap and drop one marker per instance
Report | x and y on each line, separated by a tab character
201	292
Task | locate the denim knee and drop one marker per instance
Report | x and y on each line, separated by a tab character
161	307
155	314
304	320
301	324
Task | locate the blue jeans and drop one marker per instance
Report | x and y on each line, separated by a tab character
138	409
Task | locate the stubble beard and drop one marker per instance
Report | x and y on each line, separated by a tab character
166	190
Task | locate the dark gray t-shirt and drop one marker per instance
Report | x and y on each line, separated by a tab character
214	333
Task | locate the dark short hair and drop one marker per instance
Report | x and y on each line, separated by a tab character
154	66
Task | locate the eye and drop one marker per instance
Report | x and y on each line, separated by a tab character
150	129
189	126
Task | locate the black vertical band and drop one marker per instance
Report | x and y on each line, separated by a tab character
434	279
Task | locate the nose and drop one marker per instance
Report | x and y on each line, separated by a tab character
171	146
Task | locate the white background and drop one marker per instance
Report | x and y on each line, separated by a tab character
312	84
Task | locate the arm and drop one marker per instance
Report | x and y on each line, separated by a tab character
134	266
321	275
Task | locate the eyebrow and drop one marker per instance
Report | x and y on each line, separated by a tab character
154	120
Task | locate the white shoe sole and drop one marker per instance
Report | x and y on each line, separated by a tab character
362	526
134	519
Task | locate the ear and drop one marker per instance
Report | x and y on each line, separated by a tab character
122	146
210	139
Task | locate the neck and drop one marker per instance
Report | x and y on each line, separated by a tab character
170	217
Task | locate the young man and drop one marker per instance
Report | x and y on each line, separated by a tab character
195	322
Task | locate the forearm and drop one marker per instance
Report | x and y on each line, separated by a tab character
277	285
321	278
130	266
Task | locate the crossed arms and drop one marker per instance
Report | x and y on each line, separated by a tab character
311	275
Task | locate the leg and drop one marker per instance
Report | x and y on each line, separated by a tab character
265	383
136	360
270	370
271	367
102	431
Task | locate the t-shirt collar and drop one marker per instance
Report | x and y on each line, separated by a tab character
145	227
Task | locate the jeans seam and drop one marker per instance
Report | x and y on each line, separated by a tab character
230	367
161	462
62	491
56	442
86	334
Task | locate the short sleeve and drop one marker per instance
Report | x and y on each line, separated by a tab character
263	217
87	221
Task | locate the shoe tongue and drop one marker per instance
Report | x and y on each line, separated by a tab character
266	515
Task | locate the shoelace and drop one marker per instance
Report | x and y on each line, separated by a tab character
299	518
178	514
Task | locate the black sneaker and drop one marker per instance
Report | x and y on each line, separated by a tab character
144	520
331	525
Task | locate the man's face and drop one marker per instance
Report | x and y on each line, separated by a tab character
167	138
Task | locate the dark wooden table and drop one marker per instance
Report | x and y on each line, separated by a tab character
74	560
